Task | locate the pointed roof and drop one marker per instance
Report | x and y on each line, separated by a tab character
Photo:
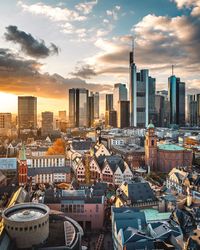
22	153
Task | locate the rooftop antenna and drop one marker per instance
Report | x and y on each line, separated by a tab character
133	48
172	69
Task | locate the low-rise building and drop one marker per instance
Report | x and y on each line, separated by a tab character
79	205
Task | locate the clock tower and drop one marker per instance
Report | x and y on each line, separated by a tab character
151	148
22	167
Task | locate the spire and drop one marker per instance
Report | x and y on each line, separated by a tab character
22	153
172	69
133	48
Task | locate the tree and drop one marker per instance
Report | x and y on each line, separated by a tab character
58	148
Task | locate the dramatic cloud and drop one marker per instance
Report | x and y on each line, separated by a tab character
86	7
189	4
84	71
20	76
54	13
28	44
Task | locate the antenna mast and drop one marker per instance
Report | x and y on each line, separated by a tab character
172	69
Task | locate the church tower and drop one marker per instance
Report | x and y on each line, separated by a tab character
151	147
22	167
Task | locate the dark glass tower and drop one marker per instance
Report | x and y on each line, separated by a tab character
27	112
78	107
176	91
109	102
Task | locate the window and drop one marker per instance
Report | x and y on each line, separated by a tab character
97	208
35	227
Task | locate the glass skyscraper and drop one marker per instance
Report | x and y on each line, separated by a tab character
176	91
27	112
142	96
109	102
78	107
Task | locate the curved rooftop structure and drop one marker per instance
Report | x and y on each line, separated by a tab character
25	212
170	147
150	126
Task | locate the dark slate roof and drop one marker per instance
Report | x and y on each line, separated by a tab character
144	244
140	192
113	160
82	145
48	170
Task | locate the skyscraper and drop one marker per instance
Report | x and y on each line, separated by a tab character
91	111
47	123
123	116
141	95
109	102
176	92
27	112
5	123
96	104
78	107
120	94
198	109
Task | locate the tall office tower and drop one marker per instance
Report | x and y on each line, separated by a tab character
27	112
159	104
119	94
62	115
47	123
141	95
111	118
162	106
78	107
91	111
109	102
5	123
176	92
96	104
123	116
192	112
198	109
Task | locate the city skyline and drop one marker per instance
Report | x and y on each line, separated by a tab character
86	44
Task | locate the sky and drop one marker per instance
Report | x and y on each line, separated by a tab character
49	46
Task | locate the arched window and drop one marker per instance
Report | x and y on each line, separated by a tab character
152	143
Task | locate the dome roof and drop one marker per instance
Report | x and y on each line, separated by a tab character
151	125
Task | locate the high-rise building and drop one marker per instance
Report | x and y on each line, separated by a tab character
111	118
141	95
5	123
78	107
27	112
198	109
192	110
5	120
47	123
119	94
91	111
62	115
123	116
159	104
109	102
96	104
176	92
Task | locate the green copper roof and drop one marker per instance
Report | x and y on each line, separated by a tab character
150	126
170	147
153	214
22	153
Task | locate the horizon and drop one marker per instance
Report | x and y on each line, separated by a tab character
87	44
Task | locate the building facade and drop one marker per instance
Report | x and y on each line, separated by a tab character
141	95
78	107
47	123
27	112
176	91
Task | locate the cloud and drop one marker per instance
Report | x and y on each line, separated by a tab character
87	7
114	12
20	76
84	71
57	13
189	4
29	45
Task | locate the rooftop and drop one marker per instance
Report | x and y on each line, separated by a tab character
170	147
